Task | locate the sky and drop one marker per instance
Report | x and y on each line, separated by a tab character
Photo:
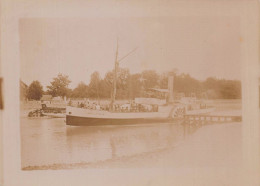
199	45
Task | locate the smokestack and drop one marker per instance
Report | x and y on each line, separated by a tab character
170	88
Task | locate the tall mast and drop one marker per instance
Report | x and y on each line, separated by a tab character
113	96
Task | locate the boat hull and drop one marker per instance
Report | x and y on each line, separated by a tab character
53	115
85	117
92	121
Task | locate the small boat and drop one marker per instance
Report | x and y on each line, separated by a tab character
55	115
53	112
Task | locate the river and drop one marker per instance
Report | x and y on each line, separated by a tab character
48	142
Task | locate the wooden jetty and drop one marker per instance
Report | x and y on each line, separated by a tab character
192	122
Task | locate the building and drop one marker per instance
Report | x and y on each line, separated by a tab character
23	91
158	93
46	99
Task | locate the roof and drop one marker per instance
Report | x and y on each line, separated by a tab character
160	90
46	98
58	98
22	84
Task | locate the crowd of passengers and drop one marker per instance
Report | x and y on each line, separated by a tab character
128	107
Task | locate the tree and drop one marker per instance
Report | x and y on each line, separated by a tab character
106	85
135	86
230	89
163	79
222	88
123	83
186	84
59	86
35	91
151	79
81	91
94	85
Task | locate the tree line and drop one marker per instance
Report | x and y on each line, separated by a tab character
130	86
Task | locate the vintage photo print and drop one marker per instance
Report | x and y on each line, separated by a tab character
146	93
111	92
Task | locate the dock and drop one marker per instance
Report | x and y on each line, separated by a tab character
191	122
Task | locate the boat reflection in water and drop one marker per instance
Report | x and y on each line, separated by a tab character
55	143
123	141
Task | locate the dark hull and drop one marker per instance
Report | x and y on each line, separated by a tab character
88	121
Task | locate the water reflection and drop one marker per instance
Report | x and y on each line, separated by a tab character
50	141
125	140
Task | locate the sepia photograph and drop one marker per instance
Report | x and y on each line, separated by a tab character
129	93
123	92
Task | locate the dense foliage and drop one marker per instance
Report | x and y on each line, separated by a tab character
130	86
59	86
35	91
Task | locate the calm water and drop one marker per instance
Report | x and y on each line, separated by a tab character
50	141
47	142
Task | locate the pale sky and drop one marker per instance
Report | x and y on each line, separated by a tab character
201	46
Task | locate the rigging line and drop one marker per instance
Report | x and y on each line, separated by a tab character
127	55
